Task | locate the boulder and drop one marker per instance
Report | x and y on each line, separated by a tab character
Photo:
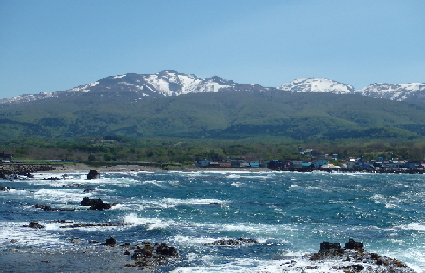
353	245
96	204
93	174
35	225
111	241
142	253
328	250
158	252
233	242
165	250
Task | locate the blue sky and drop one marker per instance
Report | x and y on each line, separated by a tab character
56	45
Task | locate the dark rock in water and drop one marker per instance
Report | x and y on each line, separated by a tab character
158	252
353	245
49	208
52	178
164	249
100	206
75	185
89	202
152	256
96	204
4	189
89	190
353	268
142	253
93	174
328	250
111	241
35	225
233	242
351	259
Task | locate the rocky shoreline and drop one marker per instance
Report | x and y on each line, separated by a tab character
113	256
149	257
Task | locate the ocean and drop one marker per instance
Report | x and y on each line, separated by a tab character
288	214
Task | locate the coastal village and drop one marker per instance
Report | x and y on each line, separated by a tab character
316	162
323	162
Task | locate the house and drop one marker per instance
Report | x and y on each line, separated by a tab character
6	158
412	165
202	163
244	165
296	164
254	164
306	164
396	164
275	164
319	163
224	164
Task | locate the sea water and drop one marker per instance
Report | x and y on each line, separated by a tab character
289	214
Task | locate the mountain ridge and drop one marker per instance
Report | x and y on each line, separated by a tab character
172	83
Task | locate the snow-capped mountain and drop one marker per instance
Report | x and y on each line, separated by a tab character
134	87
399	92
141	86
317	85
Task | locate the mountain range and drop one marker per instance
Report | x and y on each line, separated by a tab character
153	105
135	87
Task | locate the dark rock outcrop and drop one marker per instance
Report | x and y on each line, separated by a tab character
96	204
35	225
93	174
233	242
49	208
353	258
157	251
111	241
353	245
328	250
165	250
75	185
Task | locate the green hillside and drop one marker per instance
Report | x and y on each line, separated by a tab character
225	115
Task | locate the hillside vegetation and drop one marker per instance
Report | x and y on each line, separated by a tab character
224	115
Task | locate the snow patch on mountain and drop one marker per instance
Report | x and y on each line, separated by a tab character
82	88
317	85
171	83
398	92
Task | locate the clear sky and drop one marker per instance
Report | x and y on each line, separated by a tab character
56	45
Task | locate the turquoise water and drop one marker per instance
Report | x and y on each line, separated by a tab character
290	214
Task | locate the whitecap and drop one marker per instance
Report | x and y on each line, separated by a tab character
151	223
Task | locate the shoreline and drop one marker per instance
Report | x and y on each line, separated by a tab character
12	169
81	167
